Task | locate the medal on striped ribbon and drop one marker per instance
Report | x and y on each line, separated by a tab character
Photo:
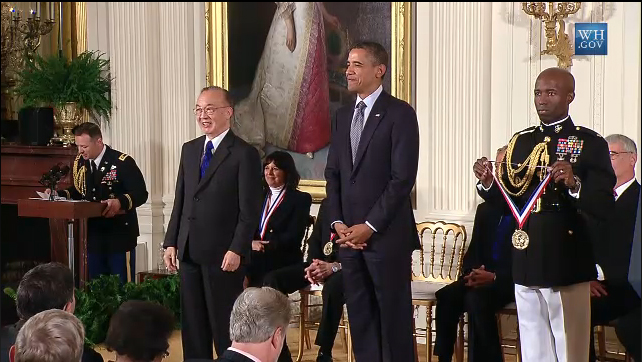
520	238
267	213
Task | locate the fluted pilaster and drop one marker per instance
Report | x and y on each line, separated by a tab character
183	70
453	82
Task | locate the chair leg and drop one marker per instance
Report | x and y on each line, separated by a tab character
498	316
307	319
601	343
459	346
428	331
303	306
414	339
518	342
344	334
350	352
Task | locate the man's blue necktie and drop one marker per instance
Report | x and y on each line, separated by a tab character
207	157
500	235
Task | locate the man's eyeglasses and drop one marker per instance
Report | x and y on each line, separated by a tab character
208	110
614	154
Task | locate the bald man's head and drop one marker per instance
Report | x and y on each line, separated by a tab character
554	91
564	76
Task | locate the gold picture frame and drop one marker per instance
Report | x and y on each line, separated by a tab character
216	45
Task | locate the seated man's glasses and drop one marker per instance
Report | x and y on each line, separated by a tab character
614	154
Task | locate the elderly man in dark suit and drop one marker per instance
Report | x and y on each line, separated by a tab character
372	166
258	326
612	296
216	210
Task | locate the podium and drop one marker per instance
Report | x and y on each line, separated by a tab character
76	214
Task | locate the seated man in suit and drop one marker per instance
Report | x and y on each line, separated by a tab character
46	286
52	335
485	287
321	266
612	295
258	325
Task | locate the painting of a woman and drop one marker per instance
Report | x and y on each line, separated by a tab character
288	105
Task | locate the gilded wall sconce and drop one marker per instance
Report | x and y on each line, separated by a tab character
557	42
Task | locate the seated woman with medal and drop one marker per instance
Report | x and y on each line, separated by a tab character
286	210
320	267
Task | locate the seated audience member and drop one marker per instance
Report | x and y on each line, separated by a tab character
612	296
285	214
318	268
628	328
258	326
485	287
53	335
139	331
46	286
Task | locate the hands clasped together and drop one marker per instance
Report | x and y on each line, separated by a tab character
355	237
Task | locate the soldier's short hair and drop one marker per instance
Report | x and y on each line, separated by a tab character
88	128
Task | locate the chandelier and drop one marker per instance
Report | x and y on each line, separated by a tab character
20	40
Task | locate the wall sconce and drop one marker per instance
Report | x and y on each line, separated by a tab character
557	43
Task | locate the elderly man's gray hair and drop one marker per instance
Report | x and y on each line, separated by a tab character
50	336
257	313
627	143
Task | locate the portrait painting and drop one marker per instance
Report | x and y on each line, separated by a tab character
284	65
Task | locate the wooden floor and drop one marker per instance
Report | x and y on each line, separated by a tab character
338	353
309	355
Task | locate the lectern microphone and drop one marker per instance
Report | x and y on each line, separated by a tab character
51	178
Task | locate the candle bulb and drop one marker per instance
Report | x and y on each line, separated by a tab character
13	13
32	13
60	30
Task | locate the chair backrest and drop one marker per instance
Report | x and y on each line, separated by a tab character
308	229
452	244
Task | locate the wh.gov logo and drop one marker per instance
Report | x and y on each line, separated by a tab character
590	39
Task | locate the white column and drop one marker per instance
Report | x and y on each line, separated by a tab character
182	78
453	108
134	34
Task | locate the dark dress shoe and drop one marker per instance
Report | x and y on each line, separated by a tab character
324	357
